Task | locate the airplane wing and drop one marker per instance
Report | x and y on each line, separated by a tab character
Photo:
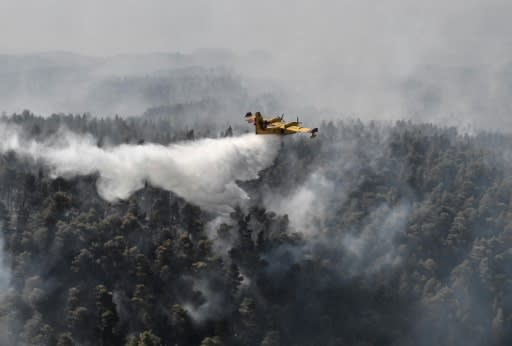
275	120
301	129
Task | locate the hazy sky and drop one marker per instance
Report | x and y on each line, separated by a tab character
334	30
353	55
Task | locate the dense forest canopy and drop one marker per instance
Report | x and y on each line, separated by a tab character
372	234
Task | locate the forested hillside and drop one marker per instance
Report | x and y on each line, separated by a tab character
370	234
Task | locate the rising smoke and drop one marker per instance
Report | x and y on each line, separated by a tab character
366	249
203	172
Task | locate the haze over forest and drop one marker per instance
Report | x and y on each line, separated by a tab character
138	208
432	61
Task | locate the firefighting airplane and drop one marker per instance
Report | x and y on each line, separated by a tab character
276	126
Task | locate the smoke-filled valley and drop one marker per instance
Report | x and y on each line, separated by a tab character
374	233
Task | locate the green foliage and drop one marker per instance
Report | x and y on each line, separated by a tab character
212	341
247	312
146	338
65	339
408	242
271	339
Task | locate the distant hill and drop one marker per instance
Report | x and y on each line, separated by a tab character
124	84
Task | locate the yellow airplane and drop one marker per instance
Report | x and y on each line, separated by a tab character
276	126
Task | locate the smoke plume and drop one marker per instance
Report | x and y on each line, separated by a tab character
203	172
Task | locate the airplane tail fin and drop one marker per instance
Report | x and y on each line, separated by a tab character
257	120
259	123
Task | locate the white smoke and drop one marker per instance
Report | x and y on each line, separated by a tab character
307	206
203	172
373	248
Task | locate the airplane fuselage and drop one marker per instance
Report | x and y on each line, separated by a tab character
276	126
